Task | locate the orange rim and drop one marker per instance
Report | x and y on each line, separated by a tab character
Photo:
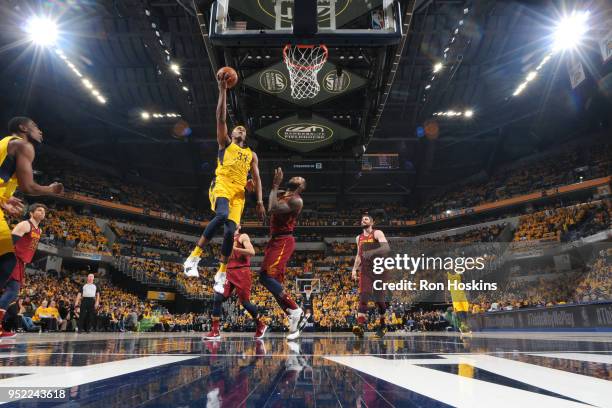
305	67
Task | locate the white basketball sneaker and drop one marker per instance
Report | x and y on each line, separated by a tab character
190	266
220	279
296	323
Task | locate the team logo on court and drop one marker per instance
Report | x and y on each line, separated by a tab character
305	133
273	81
336	84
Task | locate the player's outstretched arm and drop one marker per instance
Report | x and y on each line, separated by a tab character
25	156
261	211
294	204
222	137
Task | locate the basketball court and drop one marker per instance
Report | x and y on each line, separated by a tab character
314	78
403	370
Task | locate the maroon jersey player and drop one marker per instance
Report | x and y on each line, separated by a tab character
238	280
284	211
26	235
370	244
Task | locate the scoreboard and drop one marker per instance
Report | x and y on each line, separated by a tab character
380	161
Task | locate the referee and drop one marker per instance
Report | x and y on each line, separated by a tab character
89	303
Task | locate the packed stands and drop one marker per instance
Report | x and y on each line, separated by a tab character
67	228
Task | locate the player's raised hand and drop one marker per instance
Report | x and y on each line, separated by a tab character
278	177
222	79
56	188
13	206
354	274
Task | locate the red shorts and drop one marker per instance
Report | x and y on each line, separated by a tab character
18	273
240	280
365	283
276	255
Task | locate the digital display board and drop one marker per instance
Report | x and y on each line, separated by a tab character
380	161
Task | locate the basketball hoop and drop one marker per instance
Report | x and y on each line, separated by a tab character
304	63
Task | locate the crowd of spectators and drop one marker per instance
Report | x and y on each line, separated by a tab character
102	185
572	165
580	285
47	303
67	228
561	224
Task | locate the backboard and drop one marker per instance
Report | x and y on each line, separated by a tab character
243	23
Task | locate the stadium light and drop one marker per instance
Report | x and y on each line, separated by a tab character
175	68
570	31
42	30
530	76
469	113
145	115
437	67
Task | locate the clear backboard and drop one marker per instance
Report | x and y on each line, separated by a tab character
244	23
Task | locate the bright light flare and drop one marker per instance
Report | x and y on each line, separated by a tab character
42	30
437	67
570	31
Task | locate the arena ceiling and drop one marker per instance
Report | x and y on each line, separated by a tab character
113	43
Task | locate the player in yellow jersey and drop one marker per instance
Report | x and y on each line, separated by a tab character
234	161
16	157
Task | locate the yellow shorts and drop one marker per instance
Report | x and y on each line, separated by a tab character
234	193
6	240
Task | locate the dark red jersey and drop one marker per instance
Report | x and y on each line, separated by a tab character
367	242
284	224
237	260
25	248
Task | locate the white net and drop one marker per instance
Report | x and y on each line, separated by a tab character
304	63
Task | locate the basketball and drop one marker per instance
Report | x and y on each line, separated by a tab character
231	75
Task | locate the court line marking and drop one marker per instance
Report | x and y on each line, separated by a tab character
591	358
77	375
449	388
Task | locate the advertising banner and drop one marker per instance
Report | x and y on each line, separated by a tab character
274	80
305	135
590	316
